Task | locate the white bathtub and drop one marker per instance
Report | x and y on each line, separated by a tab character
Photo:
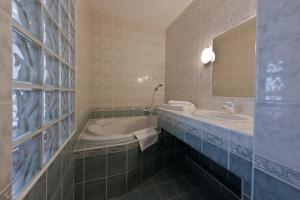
115	130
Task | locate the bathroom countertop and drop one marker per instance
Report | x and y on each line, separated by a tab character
235	132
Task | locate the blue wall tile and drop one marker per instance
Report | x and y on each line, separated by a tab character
193	141
269	188
217	154
240	167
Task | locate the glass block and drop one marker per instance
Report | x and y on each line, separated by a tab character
64	103
72	57
72	123
64	49
64	76
52	6
72	36
51	106
27	112
72	12
51	74
28	14
66	4
26	59
50	142
26	160
51	34
64	128
64	22
72	100
72	78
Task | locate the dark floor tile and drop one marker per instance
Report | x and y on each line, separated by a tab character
78	191
95	167
78	170
131	196
38	190
116	185
193	195
161	177
134	158
181	185
208	193
147	170
95	190
133	178
183	169
116	163
169	158
166	190
148	193
147	183
172	173
196	181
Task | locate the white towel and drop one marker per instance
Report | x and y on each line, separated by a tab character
179	105
185	103
147	137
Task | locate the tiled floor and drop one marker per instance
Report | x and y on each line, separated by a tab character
176	183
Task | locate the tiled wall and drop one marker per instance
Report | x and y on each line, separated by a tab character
108	172
128	62
192	31
84	88
277	136
5	95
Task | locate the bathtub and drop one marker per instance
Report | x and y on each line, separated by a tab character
113	131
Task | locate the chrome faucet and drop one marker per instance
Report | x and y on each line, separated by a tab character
229	106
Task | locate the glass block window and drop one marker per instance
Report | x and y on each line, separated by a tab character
44	69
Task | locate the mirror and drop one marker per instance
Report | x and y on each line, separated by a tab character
233	72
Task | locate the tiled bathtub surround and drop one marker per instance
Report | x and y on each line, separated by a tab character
120	112
277	139
186	77
104	173
230	155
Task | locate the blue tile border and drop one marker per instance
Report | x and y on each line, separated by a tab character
99	113
172	125
278	170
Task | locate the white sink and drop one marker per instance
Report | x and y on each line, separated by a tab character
223	116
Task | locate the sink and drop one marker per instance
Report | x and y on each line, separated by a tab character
223	116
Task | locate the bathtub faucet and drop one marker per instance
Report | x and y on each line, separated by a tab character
148	110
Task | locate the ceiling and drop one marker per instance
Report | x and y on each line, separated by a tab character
158	13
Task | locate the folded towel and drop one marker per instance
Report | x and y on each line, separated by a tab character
178	107
147	137
186	103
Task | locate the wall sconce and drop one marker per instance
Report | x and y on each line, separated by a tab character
208	55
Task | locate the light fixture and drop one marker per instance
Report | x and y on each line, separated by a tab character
208	55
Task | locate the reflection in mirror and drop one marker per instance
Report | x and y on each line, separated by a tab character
234	68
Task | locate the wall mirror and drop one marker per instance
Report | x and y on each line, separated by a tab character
233	72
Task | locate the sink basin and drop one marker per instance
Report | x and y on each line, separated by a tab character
223	116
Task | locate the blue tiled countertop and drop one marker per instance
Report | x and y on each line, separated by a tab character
228	133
